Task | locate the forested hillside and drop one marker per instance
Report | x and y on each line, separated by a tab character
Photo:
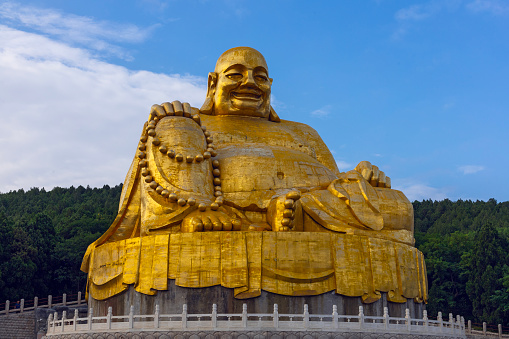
45	233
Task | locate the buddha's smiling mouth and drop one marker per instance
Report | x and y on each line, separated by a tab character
246	95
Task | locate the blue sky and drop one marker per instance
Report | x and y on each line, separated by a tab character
419	88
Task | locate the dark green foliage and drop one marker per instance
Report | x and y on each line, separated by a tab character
465	244
44	237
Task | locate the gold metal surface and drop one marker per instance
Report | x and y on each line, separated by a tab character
235	166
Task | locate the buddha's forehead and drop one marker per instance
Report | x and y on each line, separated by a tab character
246	56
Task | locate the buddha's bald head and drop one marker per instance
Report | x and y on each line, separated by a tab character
241	55
239	85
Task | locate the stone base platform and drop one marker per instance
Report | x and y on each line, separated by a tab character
242	335
200	300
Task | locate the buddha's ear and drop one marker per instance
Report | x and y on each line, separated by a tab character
273	116
208	105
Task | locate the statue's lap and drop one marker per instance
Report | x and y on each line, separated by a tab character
287	263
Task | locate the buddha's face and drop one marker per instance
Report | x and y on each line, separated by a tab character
243	84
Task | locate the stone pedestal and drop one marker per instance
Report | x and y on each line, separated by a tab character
200	300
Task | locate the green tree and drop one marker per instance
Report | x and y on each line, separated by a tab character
486	272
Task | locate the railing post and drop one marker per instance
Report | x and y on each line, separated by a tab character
500	330
79	298
156	317
64	316
440	322
451	322
484	328
408	320
184	316
22	306
90	312
244	315
361	317
64	299
470	327
75	322
214	315
55	319
426	321
36	302
335	323
50	320
275	316
7	306
50	299
306	316
108	318
458	323
386	318
131	317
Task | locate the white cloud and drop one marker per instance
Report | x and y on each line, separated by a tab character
418	191
415	12
322	112
69	119
495	7
74	29
470	169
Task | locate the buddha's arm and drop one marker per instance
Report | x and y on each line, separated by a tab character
313	139
180	185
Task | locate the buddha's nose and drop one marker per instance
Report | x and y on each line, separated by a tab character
249	79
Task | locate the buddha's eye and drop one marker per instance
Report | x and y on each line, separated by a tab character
261	78
234	76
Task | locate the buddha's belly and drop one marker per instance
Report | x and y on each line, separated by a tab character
252	175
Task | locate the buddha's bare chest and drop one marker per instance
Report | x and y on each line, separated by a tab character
264	156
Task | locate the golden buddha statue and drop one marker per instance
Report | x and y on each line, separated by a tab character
235	166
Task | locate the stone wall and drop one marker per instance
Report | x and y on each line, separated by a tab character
17	326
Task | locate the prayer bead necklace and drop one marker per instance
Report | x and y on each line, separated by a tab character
209	153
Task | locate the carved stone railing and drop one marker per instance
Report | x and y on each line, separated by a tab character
28	305
245	321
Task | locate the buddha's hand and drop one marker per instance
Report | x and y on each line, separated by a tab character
373	175
209	220
281	212
175	108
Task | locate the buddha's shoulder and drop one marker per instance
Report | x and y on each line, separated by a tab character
298	127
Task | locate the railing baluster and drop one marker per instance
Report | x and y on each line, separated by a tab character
275	316
75	321
306	316
184	316
214	315
22	306
335	316
386	318
131	317
244	315
90	312
408	322
426	321
108	318
64	316
361	317
156	317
